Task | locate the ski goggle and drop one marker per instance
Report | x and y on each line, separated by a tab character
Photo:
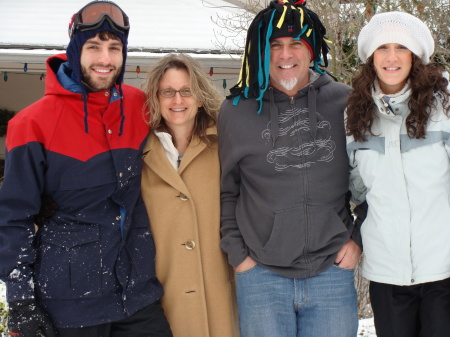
95	13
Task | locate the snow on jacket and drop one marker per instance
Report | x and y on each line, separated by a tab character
184	207
93	261
407	185
284	179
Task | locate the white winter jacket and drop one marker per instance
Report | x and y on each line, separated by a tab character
406	235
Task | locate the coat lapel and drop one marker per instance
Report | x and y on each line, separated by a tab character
194	149
156	160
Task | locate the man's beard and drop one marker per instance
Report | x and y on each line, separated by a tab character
99	85
289	84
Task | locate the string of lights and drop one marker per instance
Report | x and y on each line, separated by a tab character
7	74
41	76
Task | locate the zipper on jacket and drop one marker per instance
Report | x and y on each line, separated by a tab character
304	172
388	107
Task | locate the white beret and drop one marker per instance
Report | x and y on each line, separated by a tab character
396	27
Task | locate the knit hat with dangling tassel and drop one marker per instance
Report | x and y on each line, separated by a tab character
282	18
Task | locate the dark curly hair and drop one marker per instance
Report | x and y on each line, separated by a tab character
425	80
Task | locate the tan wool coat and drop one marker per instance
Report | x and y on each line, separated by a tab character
184	209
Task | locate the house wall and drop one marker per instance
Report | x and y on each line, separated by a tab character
20	91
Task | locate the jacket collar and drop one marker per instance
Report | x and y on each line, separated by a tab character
394	104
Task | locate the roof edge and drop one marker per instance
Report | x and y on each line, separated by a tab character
130	49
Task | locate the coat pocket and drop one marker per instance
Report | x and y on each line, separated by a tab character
68	264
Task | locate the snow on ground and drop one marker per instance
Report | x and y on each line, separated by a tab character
366	328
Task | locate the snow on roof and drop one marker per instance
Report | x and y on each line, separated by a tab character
182	25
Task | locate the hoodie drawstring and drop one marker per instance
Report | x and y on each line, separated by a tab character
86	114
122	114
312	112
85	99
273	115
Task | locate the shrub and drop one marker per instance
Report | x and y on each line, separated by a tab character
3	309
5	116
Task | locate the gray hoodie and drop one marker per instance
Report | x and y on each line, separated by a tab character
285	178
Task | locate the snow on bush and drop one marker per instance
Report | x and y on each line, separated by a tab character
3	308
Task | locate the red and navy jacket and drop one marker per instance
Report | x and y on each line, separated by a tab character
93	261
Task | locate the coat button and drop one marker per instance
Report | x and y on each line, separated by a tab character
183	197
190	244
110	131
118	217
106	93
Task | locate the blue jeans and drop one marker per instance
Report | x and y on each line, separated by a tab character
271	305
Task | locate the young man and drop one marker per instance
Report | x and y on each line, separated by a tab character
89	270
285	222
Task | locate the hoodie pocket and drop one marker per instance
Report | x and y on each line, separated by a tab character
287	240
301	230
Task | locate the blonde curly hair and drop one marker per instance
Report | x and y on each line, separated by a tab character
201	87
